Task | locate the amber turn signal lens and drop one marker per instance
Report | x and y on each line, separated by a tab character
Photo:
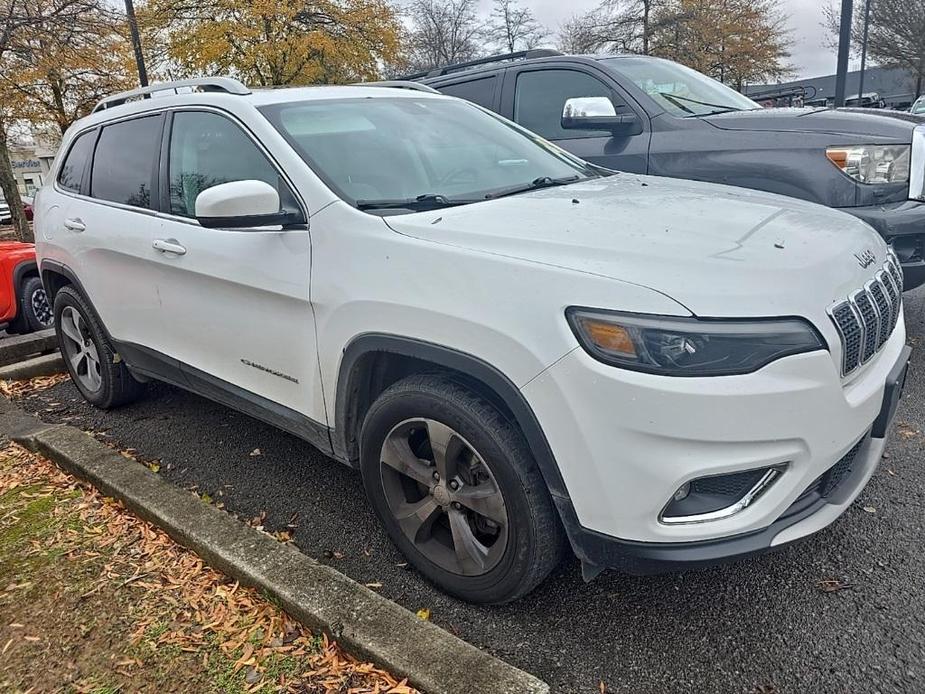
610	337
839	157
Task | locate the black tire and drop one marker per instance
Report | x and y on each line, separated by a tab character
534	539
34	306
116	384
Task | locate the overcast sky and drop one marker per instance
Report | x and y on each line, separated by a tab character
810	58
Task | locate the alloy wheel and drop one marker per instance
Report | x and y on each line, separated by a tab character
80	350
444	497
41	308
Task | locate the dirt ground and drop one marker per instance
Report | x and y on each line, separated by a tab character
92	599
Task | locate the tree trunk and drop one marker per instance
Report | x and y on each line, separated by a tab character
11	193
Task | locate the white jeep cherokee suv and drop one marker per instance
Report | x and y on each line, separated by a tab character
516	348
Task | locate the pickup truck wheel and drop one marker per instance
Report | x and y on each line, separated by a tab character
97	371
455	486
35	307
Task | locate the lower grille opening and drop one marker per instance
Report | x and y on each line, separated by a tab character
830	480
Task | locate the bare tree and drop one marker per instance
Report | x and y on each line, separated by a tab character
624	26
443	32
896	35
513	27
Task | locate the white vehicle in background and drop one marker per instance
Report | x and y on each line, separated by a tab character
521	352
919	106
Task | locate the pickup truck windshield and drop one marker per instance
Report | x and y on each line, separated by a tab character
679	90
411	153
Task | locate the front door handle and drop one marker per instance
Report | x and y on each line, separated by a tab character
75	224
169	246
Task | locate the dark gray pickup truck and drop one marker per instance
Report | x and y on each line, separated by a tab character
648	115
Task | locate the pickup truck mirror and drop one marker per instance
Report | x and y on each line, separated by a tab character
597	113
240	204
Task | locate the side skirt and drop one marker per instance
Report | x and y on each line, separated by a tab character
152	364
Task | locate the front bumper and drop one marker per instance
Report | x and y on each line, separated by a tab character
627	441
902	224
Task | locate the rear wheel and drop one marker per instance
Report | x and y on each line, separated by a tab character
97	371
456	488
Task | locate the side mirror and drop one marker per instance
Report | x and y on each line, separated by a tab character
597	113
241	204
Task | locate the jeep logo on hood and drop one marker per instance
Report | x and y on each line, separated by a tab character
866	259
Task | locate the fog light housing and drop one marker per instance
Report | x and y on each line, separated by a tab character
718	496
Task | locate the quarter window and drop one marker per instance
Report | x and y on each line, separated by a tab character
75	163
206	150
540	97
124	162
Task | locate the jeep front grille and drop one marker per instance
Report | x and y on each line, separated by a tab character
866	319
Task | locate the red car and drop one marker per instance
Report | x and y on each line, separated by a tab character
23	304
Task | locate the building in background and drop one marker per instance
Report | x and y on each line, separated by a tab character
31	159
883	88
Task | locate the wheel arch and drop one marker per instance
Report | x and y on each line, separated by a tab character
373	361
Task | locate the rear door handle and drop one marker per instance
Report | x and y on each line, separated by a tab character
75	224
169	246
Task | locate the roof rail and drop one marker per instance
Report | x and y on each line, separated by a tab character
519	55
399	84
228	85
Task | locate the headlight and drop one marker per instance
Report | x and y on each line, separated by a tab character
873	163
689	346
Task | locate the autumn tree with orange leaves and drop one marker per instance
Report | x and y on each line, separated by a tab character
271	42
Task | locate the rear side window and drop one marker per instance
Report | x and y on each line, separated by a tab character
75	163
124	163
480	91
540	97
207	149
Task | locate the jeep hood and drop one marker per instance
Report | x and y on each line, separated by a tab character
854	126
718	250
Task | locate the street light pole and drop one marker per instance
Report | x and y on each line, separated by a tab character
864	52
136	43
844	44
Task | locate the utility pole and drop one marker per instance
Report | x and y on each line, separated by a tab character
844	44
867	4
136	42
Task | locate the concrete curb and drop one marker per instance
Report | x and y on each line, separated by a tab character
45	365
365	623
18	347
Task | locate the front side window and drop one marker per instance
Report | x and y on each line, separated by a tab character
206	150
540	97
75	163
403	148
124	162
679	90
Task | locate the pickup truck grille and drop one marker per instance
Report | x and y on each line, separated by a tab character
866	319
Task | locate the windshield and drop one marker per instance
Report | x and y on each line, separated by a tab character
678	89
377	153
919	106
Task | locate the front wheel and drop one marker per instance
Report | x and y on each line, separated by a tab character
455	486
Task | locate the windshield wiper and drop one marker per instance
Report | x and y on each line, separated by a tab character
535	184
428	201
722	108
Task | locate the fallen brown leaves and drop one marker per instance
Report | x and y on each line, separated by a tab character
185	606
17	389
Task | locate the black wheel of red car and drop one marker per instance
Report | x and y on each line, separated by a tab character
36	310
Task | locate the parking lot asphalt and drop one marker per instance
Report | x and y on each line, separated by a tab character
761	625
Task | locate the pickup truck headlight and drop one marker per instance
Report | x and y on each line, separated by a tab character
673	346
873	164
